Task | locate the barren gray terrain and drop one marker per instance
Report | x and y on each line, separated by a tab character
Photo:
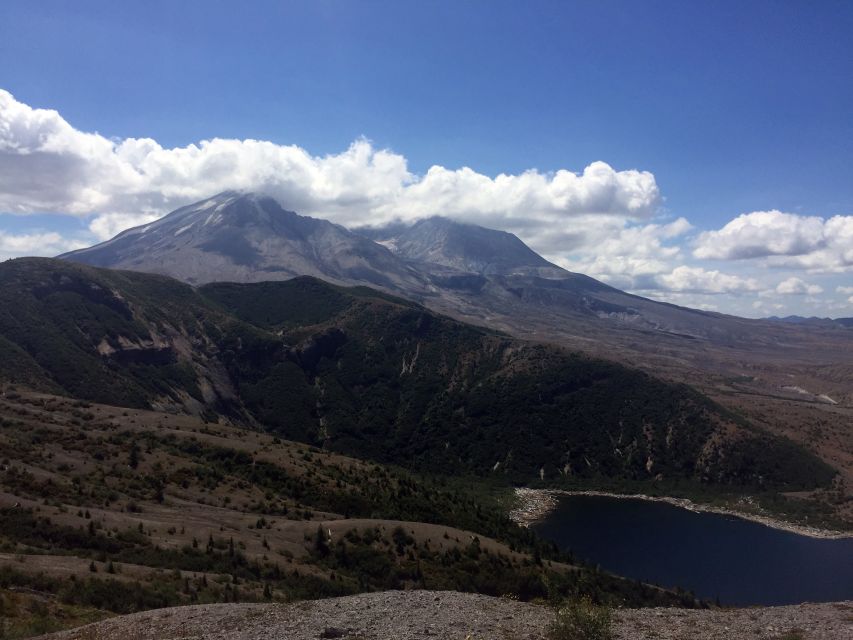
438	615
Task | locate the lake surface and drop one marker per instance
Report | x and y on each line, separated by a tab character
712	555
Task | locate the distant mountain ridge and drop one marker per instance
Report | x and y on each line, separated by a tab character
478	275
813	320
463	247
455	268
755	368
246	237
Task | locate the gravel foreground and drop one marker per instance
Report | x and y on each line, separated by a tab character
447	615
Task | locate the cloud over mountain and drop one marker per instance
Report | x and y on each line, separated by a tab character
784	239
600	221
48	165
31	243
697	280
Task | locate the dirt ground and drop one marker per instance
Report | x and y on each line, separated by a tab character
444	615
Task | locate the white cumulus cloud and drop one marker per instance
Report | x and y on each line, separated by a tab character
46	165
796	286
600	221
698	280
784	240
612	249
762	233
28	244
109	225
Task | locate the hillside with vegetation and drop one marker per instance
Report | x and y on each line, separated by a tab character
162	444
107	510
365	374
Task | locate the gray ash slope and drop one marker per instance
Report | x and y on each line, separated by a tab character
441	242
245	237
494	273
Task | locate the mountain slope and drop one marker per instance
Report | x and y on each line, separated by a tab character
113	510
490	278
378	377
792	379
516	286
479	275
245	237
462	247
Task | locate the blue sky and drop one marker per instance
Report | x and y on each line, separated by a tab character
732	107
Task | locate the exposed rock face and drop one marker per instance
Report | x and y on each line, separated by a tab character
447	615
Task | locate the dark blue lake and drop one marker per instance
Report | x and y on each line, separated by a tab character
713	555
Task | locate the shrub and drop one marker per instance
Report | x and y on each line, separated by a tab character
581	620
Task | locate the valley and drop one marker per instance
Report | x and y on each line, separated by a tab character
491	279
426	320
163	444
286	437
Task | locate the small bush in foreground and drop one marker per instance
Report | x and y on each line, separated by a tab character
581	620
